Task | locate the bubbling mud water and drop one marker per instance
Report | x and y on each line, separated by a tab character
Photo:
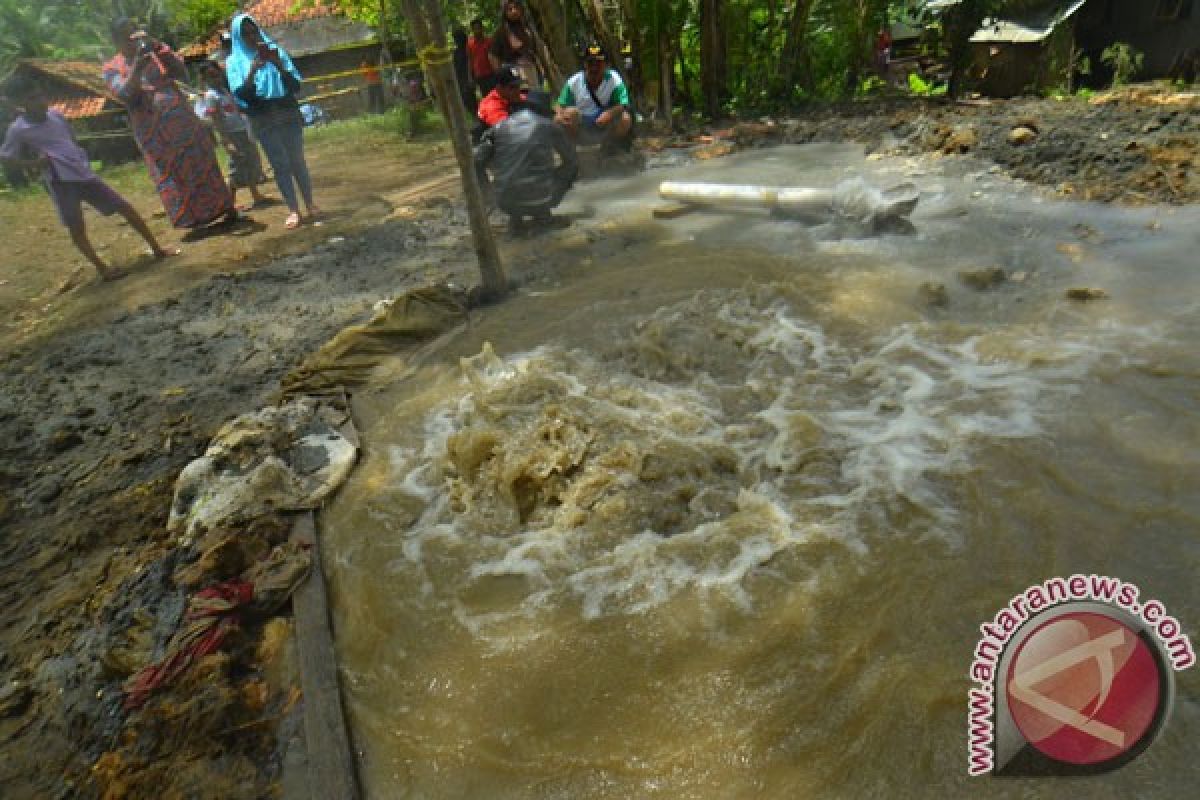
712	523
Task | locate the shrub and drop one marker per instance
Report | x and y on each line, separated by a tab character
1126	62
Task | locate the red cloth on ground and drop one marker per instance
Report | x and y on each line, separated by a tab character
210	616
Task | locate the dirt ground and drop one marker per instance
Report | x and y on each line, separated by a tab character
109	389
1136	146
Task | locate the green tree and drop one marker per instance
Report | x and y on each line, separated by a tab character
194	19
23	31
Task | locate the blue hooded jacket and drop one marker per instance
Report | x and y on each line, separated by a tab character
269	83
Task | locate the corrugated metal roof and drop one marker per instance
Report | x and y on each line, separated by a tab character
1028	29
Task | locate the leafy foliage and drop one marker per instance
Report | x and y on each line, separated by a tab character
80	28
197	18
771	54
1125	61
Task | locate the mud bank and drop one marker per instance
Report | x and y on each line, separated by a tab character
97	424
1135	146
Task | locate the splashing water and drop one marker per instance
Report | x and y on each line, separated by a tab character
732	534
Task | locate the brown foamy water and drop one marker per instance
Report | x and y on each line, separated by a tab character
712	522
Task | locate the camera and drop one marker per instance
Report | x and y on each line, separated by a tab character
144	45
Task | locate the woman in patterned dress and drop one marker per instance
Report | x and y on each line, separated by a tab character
179	150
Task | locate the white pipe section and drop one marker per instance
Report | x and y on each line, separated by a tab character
747	195
852	199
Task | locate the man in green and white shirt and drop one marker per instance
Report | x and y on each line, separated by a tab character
594	103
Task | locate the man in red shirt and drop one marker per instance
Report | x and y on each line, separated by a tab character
498	103
478	46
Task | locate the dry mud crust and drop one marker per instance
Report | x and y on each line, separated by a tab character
95	423
1131	146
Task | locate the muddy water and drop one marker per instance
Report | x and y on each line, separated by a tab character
717	513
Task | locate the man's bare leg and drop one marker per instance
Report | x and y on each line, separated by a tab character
138	224
617	132
80	238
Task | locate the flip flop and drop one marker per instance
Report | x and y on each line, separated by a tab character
293	221
167	252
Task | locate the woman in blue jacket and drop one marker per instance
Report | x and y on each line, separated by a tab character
264	81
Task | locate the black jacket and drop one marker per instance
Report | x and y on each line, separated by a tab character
520	152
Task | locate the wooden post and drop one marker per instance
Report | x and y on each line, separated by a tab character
383	31
712	56
331	767
546	20
666	79
429	31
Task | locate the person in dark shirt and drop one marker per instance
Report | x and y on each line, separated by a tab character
515	43
264	81
462	69
521	152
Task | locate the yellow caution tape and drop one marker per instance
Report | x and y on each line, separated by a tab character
359	71
435	56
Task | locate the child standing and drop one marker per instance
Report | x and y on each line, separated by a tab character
42	138
245	166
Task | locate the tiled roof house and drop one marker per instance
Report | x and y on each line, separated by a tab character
76	88
326	45
302	29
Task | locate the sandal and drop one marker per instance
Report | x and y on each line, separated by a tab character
293	221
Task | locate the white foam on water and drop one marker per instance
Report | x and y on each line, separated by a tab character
839	442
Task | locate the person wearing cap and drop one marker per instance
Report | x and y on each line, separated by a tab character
521	151
594	103
495	107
